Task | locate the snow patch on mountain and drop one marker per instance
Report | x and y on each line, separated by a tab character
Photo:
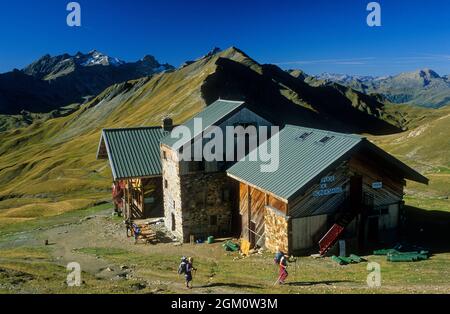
97	58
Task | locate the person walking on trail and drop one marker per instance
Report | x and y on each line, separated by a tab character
136	232
189	268
283	269
128	227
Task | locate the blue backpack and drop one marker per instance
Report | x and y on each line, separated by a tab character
278	257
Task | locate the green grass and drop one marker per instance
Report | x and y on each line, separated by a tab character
257	274
46	222
32	270
428	203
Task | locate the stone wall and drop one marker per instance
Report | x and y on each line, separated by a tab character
207	205
199	202
172	192
277	230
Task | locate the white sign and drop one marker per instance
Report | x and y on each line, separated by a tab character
342	248
377	185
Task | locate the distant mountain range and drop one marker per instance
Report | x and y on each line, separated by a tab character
52	82
423	87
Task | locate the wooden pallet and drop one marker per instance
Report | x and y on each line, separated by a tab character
147	234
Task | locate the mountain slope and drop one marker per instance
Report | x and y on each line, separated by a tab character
50	166
424	146
52	82
422	87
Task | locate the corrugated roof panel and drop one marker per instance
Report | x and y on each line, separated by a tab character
211	115
301	159
134	152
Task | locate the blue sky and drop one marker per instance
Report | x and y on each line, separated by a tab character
316	36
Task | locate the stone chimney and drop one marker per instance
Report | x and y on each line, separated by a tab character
167	124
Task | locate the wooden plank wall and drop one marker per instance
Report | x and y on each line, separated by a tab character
256	200
243	208
304	231
257	205
392	190
309	205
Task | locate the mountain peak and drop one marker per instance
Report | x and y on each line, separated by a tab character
428	73
95	57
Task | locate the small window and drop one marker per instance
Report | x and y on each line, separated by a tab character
166	184
164	155
173	222
225	195
326	139
213	220
173	204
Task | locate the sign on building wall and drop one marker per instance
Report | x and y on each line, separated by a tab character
325	192
323	187
328	179
377	185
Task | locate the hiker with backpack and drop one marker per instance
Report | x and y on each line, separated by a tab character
281	260
128	227
189	268
136	232
186	267
283	269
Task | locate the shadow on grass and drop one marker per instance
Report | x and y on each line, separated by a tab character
427	228
230	285
315	283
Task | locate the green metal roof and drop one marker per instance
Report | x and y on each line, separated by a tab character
133	152
300	160
211	115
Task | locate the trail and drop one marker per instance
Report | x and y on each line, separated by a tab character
100	231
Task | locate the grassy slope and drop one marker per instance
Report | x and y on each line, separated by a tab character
425	147
27	266
50	168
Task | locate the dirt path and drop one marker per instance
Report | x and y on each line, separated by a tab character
101	231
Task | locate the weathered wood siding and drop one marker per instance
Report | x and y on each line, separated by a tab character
252	208
392	190
307	231
309	204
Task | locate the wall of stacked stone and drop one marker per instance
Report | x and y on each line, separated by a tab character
276	230
205	195
172	192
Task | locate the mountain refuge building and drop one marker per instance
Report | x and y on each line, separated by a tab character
327	186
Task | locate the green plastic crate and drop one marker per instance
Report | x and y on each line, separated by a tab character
355	258
338	260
